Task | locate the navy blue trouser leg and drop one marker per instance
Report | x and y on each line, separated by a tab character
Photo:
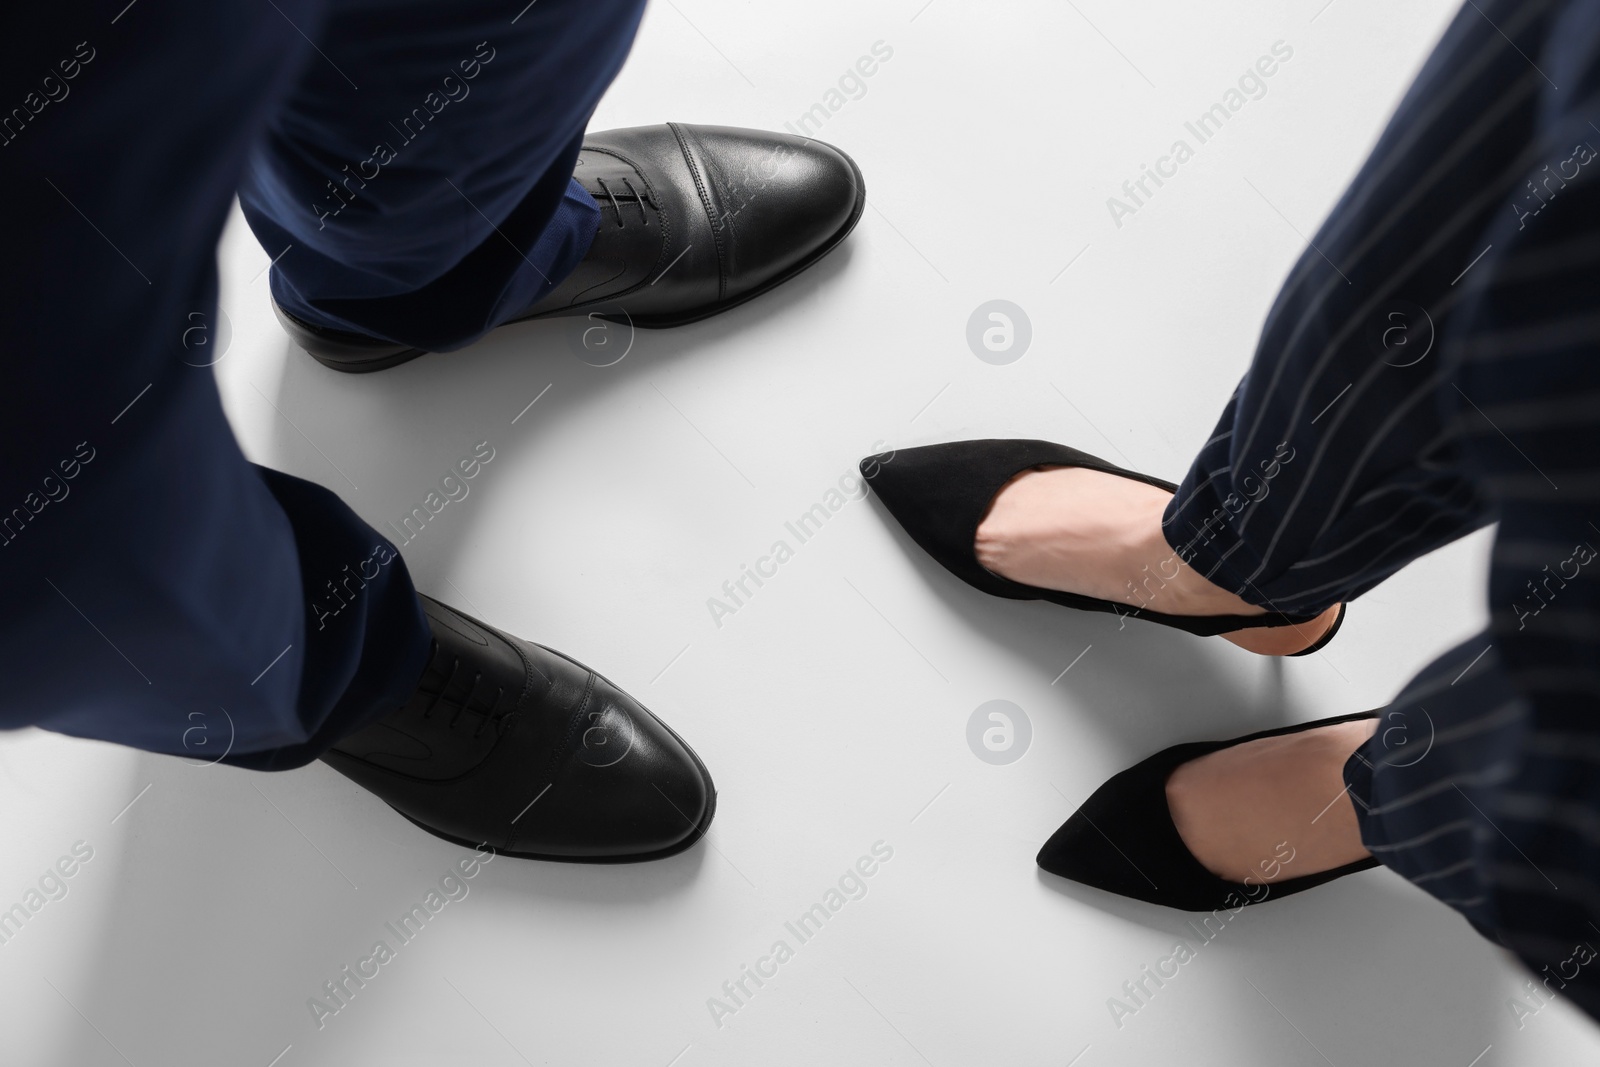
1429	367
417	180
157	587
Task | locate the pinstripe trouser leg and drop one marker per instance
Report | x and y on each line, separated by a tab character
1431	366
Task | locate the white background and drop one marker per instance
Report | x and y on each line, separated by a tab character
832	707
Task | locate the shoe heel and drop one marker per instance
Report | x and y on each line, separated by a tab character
1322	642
341	351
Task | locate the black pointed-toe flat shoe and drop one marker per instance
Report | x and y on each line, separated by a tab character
941	493
516	748
694	220
1123	840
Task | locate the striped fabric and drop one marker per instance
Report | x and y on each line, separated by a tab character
1432	365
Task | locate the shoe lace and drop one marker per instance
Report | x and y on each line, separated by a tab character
493	713
637	198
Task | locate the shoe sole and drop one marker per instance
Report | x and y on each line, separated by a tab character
695	835
647	322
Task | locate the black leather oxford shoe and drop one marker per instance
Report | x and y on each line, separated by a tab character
694	220
512	746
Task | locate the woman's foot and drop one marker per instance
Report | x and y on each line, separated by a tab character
1272	808
1083	531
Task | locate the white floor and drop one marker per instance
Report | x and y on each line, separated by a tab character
833	704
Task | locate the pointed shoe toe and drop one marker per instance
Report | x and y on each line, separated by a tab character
939	494
1122	841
